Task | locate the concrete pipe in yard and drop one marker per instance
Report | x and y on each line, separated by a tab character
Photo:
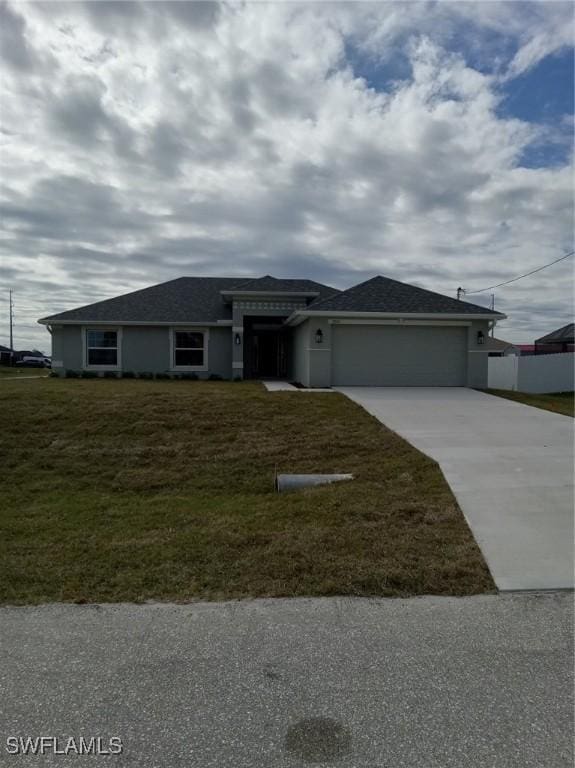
285	483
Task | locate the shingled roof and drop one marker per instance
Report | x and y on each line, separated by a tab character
285	285
562	335
184	300
382	294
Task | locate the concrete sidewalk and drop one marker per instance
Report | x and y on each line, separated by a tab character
358	683
510	467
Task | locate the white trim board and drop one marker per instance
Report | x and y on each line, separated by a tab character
401	322
119	323
299	316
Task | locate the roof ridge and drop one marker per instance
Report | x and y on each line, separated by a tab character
344	291
377	278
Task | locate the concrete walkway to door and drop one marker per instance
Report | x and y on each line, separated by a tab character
510	467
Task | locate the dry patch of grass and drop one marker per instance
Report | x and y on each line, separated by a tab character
558	402
135	490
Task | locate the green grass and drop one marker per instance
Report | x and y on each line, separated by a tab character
134	490
8	372
559	402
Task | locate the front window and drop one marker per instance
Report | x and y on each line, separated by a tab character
189	349
102	348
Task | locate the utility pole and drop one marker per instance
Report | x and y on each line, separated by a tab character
493	308
460	291
11	329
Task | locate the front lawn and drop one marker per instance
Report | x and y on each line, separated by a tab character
134	490
559	402
14	372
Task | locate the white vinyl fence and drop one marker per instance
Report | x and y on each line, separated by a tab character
535	373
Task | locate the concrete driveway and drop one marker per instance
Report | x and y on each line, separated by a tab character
354	683
510	467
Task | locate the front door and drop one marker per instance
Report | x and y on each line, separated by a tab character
268	354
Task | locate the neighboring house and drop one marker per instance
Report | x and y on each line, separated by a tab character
561	340
378	333
526	349
499	348
5	355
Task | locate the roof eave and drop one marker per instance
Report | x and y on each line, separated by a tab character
56	321
299	316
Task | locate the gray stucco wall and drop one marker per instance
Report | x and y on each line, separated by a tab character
300	356
66	348
320	354
477	355
220	359
144	349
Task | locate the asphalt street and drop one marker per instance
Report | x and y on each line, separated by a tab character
358	683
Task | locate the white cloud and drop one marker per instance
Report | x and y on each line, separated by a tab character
143	142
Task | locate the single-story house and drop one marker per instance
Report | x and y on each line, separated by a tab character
500	348
5	355
561	340
380	332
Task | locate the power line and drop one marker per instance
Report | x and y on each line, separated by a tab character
533	271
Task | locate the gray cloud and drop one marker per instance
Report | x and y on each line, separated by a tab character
195	15
14	47
78	114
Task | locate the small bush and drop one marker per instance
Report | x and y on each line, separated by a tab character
163	376
71	374
237	378
215	377
146	375
189	376
110	375
128	375
89	375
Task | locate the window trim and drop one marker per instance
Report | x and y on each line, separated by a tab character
188	329
86	365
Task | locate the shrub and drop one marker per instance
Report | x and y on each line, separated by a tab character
145	375
189	376
110	375
215	377
71	374
163	376
89	375
128	375
237	378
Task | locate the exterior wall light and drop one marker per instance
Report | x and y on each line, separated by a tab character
319	336
480	337
237	339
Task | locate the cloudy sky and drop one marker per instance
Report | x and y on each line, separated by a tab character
429	142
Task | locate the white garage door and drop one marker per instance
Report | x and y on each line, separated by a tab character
399	356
